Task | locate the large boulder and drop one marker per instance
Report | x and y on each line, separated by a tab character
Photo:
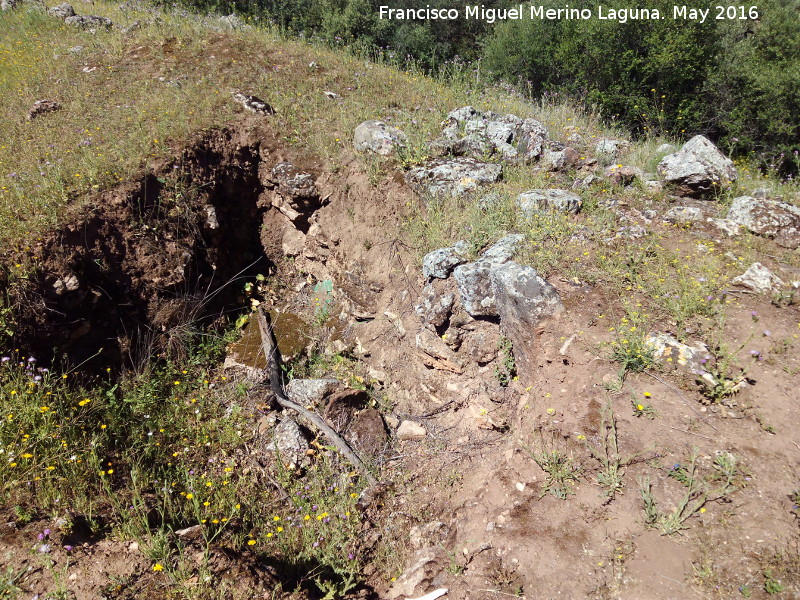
474	279
698	169
770	218
522	299
453	176
468	131
536	201
378	137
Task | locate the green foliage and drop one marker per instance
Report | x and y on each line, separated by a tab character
506	368
560	467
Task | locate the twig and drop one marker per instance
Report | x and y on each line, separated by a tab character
705	437
276	385
677	393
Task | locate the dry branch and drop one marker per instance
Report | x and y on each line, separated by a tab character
270	348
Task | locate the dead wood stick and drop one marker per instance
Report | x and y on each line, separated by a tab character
276	385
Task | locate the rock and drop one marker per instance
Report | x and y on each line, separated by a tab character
331	95
475	288
440	263
378	137
297	191
561	159
611	149
683	215
409	430
669	351
535	201
253	103
42	107
434	533
522	299
89	21
231	21
434	308
770	218
437	354
293	242
8	4
61	11
698	169
759	279
471	132
70	283
290	441
503	249
310	392
622	174
726	226
424	572
473	279
453	176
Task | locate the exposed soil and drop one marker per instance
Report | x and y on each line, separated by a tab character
141	263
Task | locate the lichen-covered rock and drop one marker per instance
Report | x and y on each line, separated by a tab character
434	308
310	392
698	169
474	279
441	262
297	194
683	215
523	299
453	176
378	137
42	107
289	441
8	4
536	201
759	279
61	11
610	148
89	21
770	218
471	132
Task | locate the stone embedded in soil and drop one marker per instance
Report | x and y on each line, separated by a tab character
698	169
425	570
434	307
759	279
611	149
622	174
61	11
535	201
310	392
769	218
683	215
670	352
468	131
410	431
473	279
289	440
89	21
556	160
726	226
523	299
436	354
43	107
452	176
441	262
378	137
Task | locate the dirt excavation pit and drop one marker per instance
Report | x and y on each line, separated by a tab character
138	268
